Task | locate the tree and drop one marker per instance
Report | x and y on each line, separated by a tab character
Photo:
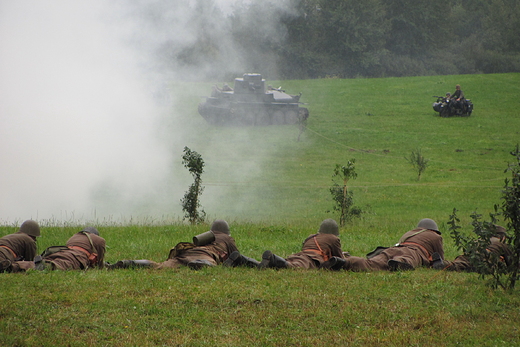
190	203
340	193
418	161
417	26
351	34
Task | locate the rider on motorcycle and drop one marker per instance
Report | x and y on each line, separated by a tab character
458	98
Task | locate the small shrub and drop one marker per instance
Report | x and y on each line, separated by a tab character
504	272
190	203
340	193
418	161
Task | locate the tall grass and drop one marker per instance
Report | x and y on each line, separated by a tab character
376	121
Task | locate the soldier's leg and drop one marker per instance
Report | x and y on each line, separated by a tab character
5	265
334	263
172	263
269	259
22	266
250	262
379	262
461	263
200	263
196	261
237	259
404	258
396	265
301	261
128	264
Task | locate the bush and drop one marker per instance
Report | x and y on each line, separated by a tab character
190	203
504	272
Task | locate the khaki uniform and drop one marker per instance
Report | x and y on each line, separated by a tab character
415	248
462	263
16	248
316	249
79	254
215	253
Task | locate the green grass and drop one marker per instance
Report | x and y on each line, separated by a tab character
232	307
378	122
274	192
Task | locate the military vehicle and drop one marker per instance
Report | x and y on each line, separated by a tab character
250	102
444	105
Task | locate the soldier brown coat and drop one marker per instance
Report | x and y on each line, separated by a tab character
83	251
19	247
415	249
316	250
212	254
213	251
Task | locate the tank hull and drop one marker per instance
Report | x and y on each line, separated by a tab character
249	104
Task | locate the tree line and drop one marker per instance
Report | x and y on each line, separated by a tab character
371	38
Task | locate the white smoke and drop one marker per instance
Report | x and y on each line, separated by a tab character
74	111
79	127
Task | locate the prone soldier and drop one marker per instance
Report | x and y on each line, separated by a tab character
415	248
318	250
84	250
17	248
208	249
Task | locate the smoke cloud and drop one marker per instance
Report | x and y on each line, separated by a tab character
84	104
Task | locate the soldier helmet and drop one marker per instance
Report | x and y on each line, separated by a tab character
91	230
30	228
500	232
428	223
329	226
221	226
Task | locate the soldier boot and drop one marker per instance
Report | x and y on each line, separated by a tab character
334	263
5	266
39	264
269	259
437	262
199	264
399	265
236	259
129	264
250	262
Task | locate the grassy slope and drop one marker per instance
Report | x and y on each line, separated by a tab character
379	122
376	121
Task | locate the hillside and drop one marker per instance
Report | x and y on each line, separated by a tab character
274	191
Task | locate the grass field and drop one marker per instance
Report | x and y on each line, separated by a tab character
274	191
378	122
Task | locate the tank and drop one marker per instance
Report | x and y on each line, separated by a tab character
251	103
